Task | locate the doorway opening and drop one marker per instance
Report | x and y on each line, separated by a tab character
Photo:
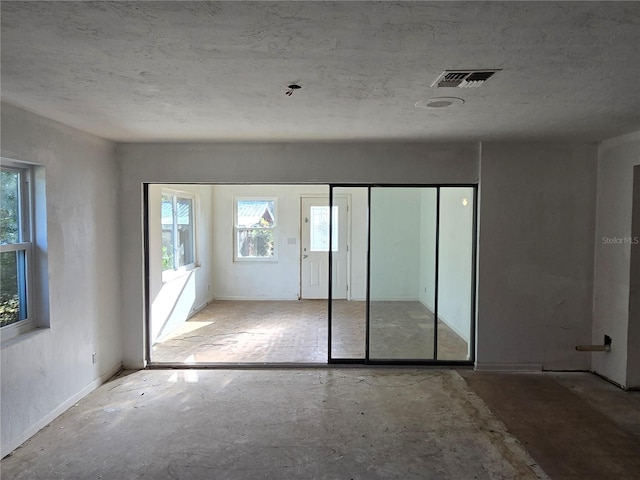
309	274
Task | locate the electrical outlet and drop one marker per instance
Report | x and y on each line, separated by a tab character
93	357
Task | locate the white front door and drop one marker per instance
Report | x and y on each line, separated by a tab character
314	255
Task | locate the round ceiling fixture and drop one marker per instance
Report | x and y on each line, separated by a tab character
440	102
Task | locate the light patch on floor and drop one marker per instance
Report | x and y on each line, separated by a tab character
186	327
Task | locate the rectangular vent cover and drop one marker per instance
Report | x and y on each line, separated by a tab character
463	78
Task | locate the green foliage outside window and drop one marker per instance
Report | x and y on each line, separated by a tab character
167	259
9	233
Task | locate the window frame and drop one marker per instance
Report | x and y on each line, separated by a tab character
25	243
175	272
237	229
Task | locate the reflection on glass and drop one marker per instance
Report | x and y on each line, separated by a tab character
402	273
348	306
455	294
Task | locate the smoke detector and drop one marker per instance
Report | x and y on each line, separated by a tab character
463	78
440	102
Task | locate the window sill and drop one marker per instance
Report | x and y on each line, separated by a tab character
171	275
25	336
255	260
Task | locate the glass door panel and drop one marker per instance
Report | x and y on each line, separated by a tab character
349	231
455	273
402	289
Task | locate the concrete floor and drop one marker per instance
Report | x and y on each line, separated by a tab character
276	424
296	332
340	423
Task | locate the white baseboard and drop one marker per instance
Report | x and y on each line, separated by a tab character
462	335
508	367
200	307
456	330
56	412
279	299
396	299
427	306
253	299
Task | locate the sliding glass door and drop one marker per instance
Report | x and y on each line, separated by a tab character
348	308
402	273
456	272
412	250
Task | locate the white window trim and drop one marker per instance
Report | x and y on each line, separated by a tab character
26	244
169	275
236	229
27	324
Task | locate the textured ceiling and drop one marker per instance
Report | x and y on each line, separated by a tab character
179	70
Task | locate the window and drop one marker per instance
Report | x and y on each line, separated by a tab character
319	231
15	250
178	231
255	229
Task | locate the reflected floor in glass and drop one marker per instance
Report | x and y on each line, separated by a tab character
281	332
404	330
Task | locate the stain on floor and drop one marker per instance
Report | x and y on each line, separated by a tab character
566	435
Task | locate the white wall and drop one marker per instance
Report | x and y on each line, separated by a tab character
428	216
395	244
455	256
175	300
46	371
273	280
353	162
535	248
616	159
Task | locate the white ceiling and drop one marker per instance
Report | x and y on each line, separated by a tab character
179	70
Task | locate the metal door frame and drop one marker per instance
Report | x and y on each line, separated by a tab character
472	337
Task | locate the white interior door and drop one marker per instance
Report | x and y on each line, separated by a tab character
314	255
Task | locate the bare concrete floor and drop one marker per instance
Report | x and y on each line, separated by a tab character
276	424
340	423
296	332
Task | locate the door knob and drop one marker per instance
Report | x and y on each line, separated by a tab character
305	256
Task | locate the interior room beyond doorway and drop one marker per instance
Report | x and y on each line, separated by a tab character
240	273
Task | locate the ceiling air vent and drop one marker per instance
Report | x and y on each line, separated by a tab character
463	78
